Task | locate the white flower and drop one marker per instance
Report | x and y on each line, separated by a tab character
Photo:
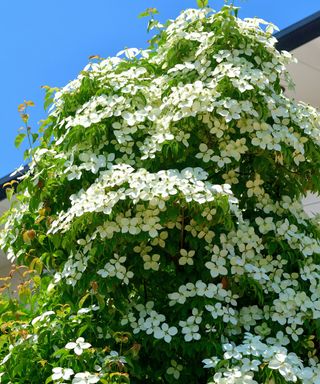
152	226
115	357
61	373
281	339
190	331
42	317
278	361
218	262
6	358
128	275
151	262
254	186
210	363
130	53
85	378
175	369
196	317
231	177
115	269
86	243
231	352
165	332
294	332
78	346
186	257
265	225
232	110
160	240
205	153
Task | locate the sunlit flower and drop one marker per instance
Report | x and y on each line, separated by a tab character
78	346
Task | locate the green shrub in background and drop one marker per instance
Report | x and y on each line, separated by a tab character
161	220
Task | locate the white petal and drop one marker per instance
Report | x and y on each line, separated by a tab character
78	350
71	345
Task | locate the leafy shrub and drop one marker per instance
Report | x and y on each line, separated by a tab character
161	219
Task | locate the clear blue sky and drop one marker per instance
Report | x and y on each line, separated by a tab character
49	42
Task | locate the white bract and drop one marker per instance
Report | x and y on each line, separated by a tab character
61	373
78	346
85	378
186	257
175	369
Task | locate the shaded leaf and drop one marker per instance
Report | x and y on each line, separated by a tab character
83	299
34	137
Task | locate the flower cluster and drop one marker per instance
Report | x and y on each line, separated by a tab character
150	322
115	268
254	353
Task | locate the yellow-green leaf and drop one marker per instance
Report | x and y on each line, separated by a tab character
83	299
202	3
9	193
19	139
148	12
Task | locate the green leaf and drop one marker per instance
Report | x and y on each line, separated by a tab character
49	380
37	265
101	302
9	193
48	99
202	3
34	137
143	14
60	352
83	299
56	240
123	377
148	12
19	139
42	239
272	247
83	329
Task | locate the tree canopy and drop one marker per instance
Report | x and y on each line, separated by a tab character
161	222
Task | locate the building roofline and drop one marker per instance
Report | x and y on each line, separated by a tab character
299	33
8	179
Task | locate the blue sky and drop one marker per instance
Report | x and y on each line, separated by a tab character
48	43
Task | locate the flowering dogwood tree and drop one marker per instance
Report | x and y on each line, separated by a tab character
161	219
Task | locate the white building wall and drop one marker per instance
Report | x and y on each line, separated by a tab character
306	76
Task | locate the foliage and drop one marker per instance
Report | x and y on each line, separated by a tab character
161	220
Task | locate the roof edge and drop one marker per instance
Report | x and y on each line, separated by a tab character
8	178
299	33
